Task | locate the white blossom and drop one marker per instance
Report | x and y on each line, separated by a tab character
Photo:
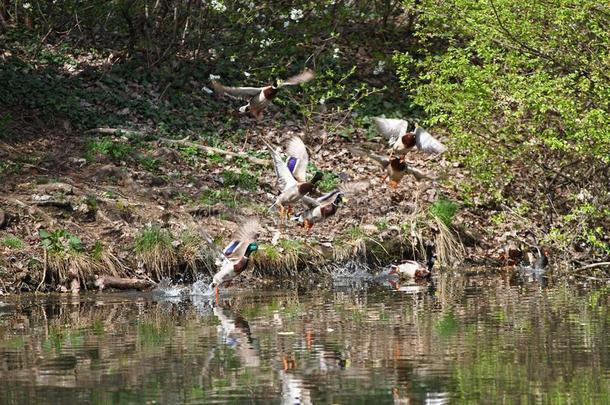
286	23
247	74
214	77
233	58
380	68
336	53
27	6
218	6
296	14
322	100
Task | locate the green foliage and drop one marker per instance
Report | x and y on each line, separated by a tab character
152	237
329	182
60	241
241	179
444	210
109	147
13	242
224	196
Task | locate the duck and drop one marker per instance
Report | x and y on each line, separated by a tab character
400	140
260	97
327	205
416	270
394	167
233	259
291	175
539	263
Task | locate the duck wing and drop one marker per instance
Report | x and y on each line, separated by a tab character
303	77
384	161
391	128
297	158
427	143
284	176
240	92
247	233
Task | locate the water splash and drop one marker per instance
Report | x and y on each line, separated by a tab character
202	287
168	290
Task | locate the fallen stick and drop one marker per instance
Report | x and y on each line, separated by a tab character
113	131
211	149
592	265
123	283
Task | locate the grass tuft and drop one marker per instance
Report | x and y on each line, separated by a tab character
153	247
12	242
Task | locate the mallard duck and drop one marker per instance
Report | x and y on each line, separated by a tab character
233	259
291	174
260	97
395	130
394	167
415	270
327	205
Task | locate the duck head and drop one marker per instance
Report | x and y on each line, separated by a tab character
252	247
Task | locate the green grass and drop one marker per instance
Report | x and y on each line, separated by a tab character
241	179
13	242
222	196
151	237
109	147
444	210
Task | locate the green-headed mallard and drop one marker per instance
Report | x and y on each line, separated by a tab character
394	167
291	174
400	140
233	259
415	270
327	205
260	97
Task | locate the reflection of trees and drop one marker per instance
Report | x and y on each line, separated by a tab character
317	348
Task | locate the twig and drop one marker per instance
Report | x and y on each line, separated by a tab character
592	265
44	270
211	149
112	131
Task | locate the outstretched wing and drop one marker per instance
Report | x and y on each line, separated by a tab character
391	128
426	142
297	158
353	187
247	233
284	176
303	77
384	161
347	189
241	92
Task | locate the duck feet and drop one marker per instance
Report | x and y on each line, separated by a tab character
307	225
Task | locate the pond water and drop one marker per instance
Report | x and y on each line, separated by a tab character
465	340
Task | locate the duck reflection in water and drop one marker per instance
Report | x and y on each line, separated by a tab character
235	332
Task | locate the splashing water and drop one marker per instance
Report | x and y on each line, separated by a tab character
167	289
203	287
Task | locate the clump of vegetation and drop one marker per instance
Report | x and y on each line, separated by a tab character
66	258
114	149
154	248
220	196
13	242
241	179
444	210
329	182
